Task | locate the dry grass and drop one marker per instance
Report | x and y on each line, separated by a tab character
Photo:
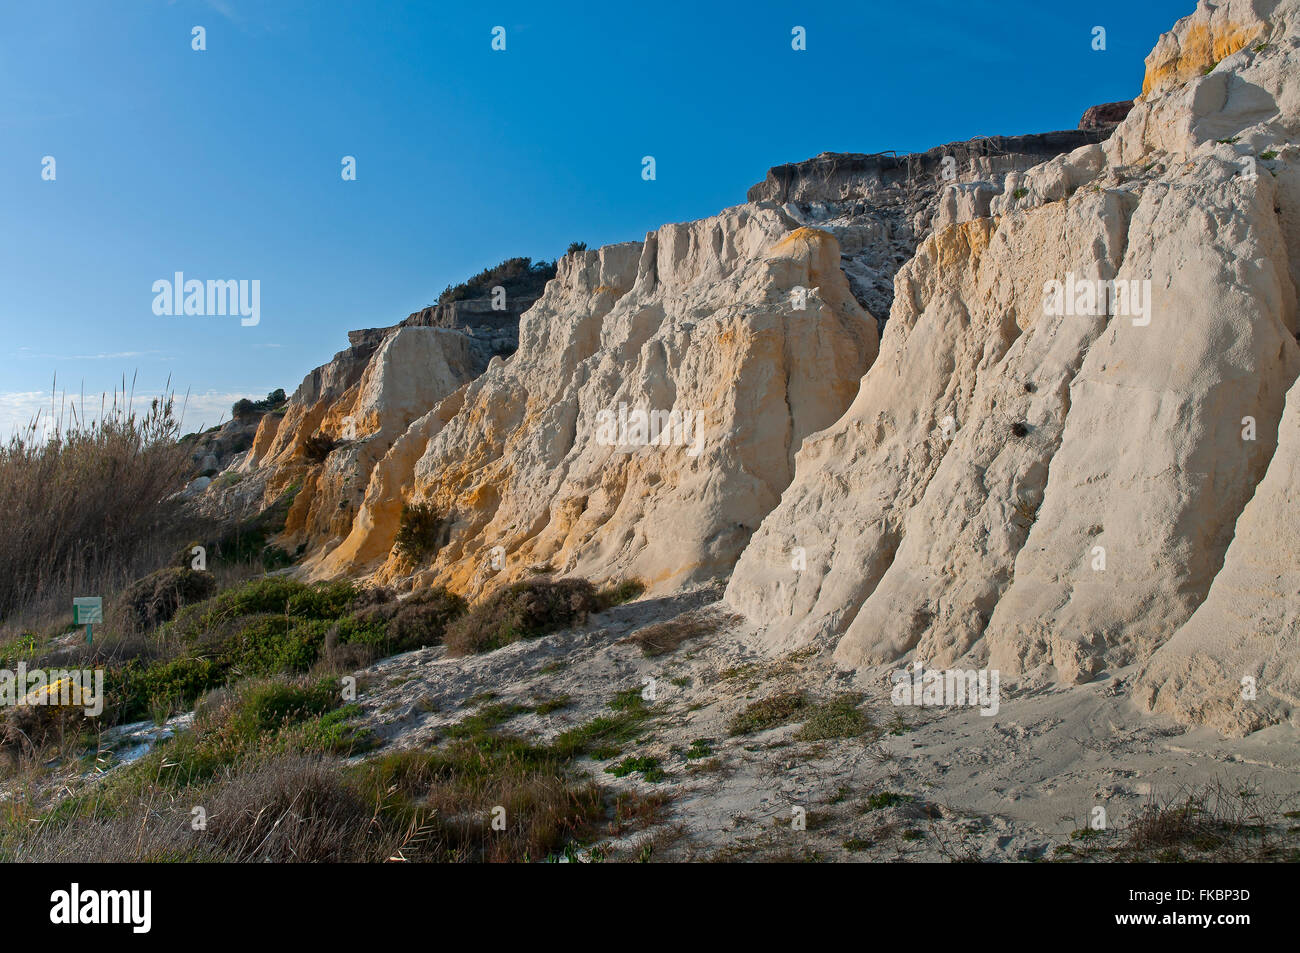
85	503
1219	822
660	638
295	808
287	808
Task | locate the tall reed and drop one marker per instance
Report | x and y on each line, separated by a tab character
84	500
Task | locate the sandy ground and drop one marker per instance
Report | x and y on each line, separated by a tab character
939	783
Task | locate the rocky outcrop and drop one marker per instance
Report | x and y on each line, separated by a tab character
487	308
649	419
1105	115
492	326
1057	489
879	207
338	424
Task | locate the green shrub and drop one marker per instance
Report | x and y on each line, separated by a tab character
250	720
837	718
274	400
325	600
767	713
396	625
332	733
700	748
140	689
273	594
629	699
519	276
267	644
524	610
266	707
359	629
647	765
418	532
615	594
880	800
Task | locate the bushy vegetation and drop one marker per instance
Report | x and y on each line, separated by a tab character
155	598
839	717
27	731
274	401
261	761
519	276
419	532
255	760
768	713
524	610
411	623
277	625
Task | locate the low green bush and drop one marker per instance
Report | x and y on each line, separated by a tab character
524	610
838	718
615	594
138	690
403	625
767	713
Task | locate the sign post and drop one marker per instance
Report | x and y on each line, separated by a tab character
87	610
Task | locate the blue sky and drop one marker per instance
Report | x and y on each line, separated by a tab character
226	163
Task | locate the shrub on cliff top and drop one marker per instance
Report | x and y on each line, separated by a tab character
244	407
516	275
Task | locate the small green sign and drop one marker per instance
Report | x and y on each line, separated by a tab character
87	609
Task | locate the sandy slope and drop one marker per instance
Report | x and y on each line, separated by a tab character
1008	787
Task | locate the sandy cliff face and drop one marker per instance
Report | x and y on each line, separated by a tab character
343	419
1050	489
744	331
1073	448
736	336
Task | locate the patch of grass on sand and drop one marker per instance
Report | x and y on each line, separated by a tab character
768	713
